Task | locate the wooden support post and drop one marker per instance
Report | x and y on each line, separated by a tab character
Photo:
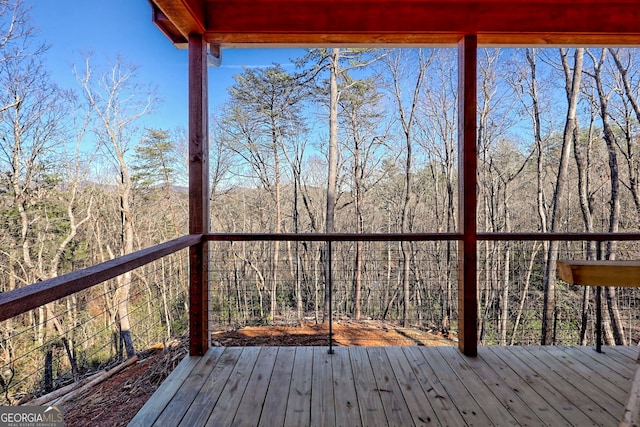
198	196
467	196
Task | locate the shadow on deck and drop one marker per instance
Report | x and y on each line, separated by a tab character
395	386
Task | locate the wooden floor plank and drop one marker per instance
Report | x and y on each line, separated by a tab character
225	410
299	405
359	386
472	413
250	408
275	403
437	396
564	368
597	377
556	376
519	409
323	411
600	364
629	351
615	357
189	389
346	406
420	408
522	384
498	413
165	393
395	407
369	400
199	410
569	411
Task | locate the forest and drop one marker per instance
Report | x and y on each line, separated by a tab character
342	141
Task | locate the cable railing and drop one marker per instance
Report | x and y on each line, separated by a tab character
510	284
281	280
47	346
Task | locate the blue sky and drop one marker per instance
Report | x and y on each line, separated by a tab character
113	27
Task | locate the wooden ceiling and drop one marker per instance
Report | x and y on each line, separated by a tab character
294	23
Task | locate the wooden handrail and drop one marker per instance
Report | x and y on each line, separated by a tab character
27	298
23	299
386	237
331	237
567	237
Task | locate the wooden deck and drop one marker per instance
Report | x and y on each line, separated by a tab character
395	386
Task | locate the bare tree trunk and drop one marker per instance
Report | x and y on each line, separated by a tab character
332	178
407	120
525	291
278	228
633	168
582	155
125	281
614	201
572	78
537	133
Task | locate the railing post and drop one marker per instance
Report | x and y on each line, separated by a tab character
198	196
467	197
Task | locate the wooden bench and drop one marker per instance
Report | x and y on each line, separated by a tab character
600	273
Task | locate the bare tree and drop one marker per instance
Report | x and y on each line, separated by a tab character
118	103
627	60
261	116
573	77
604	97
361	120
398	67
437	136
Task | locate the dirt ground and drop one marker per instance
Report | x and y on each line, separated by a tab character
115	401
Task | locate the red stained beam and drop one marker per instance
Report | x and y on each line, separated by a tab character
468	201
198	196
511	22
402	22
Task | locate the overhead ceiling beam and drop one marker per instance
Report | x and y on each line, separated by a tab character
412	22
265	23
177	19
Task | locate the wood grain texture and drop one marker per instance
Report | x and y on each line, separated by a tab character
384	386
600	273
401	22
467	195
23	299
198	195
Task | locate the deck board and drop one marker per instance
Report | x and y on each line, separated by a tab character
446	411
275	404
522	390
299	403
189	389
369	400
322	399
519	411
234	390
599	365
460	397
581	397
346	399
249	411
413	393
421	386
198	413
